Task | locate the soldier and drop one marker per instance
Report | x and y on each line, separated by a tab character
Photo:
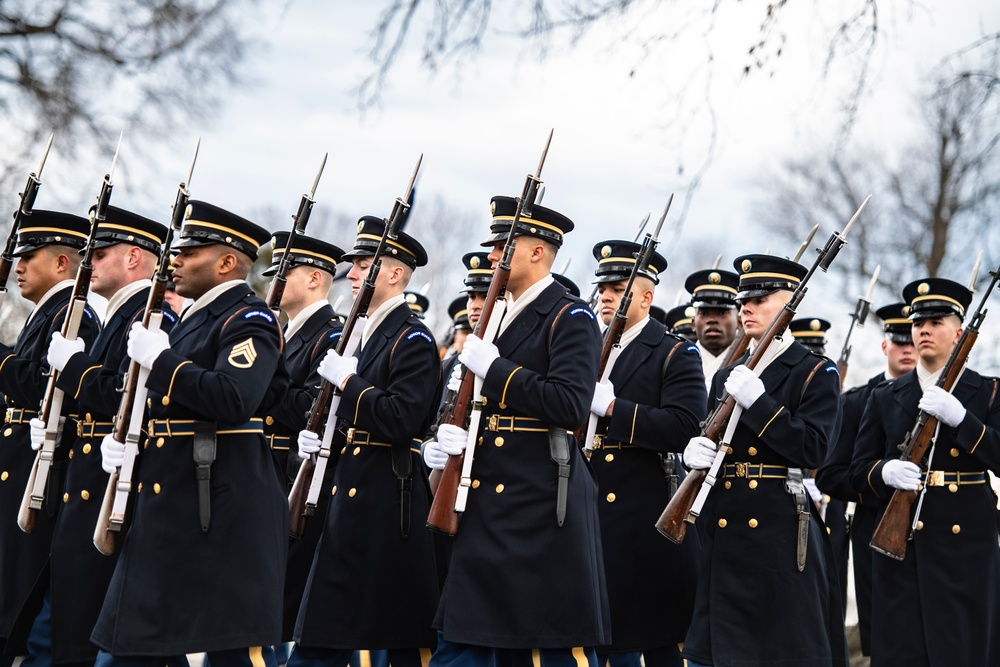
810	332
477	282
202	567
126	249
833	477
713	295
766	593
312	330
680	322
418	303
373	583
652	404
47	252
519	581
939	605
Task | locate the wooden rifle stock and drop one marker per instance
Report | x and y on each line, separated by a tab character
737	348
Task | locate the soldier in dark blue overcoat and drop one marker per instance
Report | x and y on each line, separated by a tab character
767	592
648	410
940	605
126	248
834	479
526	572
373	582
202	567
48	258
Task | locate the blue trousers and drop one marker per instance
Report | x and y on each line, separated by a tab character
665	656
306	656
254	656
453	654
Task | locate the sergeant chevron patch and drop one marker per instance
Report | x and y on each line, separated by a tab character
243	354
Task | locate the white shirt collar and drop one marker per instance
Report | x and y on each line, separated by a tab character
296	322
376	318
928	379
62	284
210	296
124	294
515	306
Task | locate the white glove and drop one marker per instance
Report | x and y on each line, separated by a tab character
939	403
478	355
60	350
812	489
112	453
455	381
699	453
144	345
309	443
604	396
903	475
744	386
36	432
433	456
336	368
452	439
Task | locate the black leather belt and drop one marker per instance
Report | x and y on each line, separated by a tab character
19	416
272	441
356	436
512	424
943	478
176	428
755	471
600	442
86	428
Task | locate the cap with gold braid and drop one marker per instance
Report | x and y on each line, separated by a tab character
405	248
713	288
306	251
615	260
680	321
544	223
896	323
480	272
121	226
207	224
811	332
418	303
51	228
761	275
458	311
936	297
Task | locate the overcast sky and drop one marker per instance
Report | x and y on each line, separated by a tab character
619	139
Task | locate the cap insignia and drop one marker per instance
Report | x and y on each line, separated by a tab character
474	262
923	288
714	278
187	211
746	265
411	298
606	251
689	311
814	325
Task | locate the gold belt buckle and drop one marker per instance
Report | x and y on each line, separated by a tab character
350	435
598	441
79	428
935	478
494	422
9	416
741	469
150	427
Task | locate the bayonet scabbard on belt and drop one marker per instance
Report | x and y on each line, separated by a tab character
204	456
559	453
797	490
402	467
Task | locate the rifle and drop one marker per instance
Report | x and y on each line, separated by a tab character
613	336
740	343
592	299
453	485
51	408
686	504
304	495
859	317
277	287
129	418
895	527
23	211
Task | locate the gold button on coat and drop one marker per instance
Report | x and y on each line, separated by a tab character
156	487
956	529
333	491
269	420
498	442
65	497
70	455
954	452
729	484
953	487
159	442
729	450
4	475
609	457
353	492
475	483
85	494
752	484
499	488
920	525
86	448
752	523
722	523
7	431
752	451
140	487
611	497
357	450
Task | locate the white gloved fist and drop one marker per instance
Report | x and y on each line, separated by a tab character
939	403
335	368
112	453
604	396
903	475
455	381
433	456
478	355
744	386
60	350
309	443
145	345
36	429
452	439
814	493
699	453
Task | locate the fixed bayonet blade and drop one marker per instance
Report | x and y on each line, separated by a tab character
642	226
413	180
45	156
857	214
197	147
975	272
871	285
659	225
114	160
548	142
718	260
805	244
319	174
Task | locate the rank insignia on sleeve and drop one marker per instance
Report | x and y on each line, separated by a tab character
243	354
